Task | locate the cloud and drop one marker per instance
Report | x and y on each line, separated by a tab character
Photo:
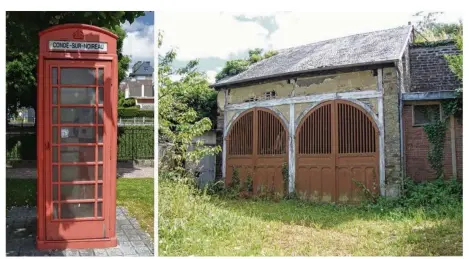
135	26
139	43
216	37
296	29
211	76
203	35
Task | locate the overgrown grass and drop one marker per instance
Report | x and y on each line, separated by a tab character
137	195
193	223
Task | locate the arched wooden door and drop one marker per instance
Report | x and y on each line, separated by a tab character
336	147
257	146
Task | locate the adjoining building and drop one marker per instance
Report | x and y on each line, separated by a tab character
329	115
139	85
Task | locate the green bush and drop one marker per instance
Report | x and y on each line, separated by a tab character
430	194
134	112
437	198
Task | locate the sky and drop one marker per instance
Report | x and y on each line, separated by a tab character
139	42
214	38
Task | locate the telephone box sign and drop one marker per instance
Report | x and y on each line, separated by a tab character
77	45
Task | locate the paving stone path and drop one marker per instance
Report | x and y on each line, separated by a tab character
21	237
124	172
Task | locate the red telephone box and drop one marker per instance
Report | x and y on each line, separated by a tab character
76	137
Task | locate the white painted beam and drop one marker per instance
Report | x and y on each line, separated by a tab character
291	150
225	132
382	172
305	99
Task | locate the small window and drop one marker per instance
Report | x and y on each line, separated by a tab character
270	95
426	114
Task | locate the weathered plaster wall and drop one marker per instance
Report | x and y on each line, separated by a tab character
372	103
392	147
299	108
221	98
229	116
285	111
335	83
241	94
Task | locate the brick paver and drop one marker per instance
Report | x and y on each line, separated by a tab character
21	235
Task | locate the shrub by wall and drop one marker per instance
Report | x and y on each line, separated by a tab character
132	112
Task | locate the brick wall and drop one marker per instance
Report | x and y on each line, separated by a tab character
429	69
417	146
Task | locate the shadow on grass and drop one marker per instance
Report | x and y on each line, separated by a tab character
444	239
324	216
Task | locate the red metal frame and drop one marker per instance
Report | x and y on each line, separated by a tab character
76	232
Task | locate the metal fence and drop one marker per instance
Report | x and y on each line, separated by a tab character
136	121
134	143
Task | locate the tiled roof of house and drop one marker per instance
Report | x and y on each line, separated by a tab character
360	49
142	68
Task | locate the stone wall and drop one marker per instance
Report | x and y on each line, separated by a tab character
429	69
392	147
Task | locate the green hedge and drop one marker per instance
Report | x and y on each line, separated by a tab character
134	142
134	112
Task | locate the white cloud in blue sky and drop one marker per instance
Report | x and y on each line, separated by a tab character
214	38
139	43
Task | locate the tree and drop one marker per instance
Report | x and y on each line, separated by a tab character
22	42
455	61
429	29
236	66
184	107
124	103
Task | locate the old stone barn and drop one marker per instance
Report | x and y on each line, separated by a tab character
327	116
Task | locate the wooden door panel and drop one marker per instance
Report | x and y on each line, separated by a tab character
257	141
328	176
336	143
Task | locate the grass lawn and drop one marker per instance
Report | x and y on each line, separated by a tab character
196	224
137	195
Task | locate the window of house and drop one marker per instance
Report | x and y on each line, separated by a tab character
270	95
426	114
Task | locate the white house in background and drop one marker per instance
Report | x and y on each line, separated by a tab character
139	85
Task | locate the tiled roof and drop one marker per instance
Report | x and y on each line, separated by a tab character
359	49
